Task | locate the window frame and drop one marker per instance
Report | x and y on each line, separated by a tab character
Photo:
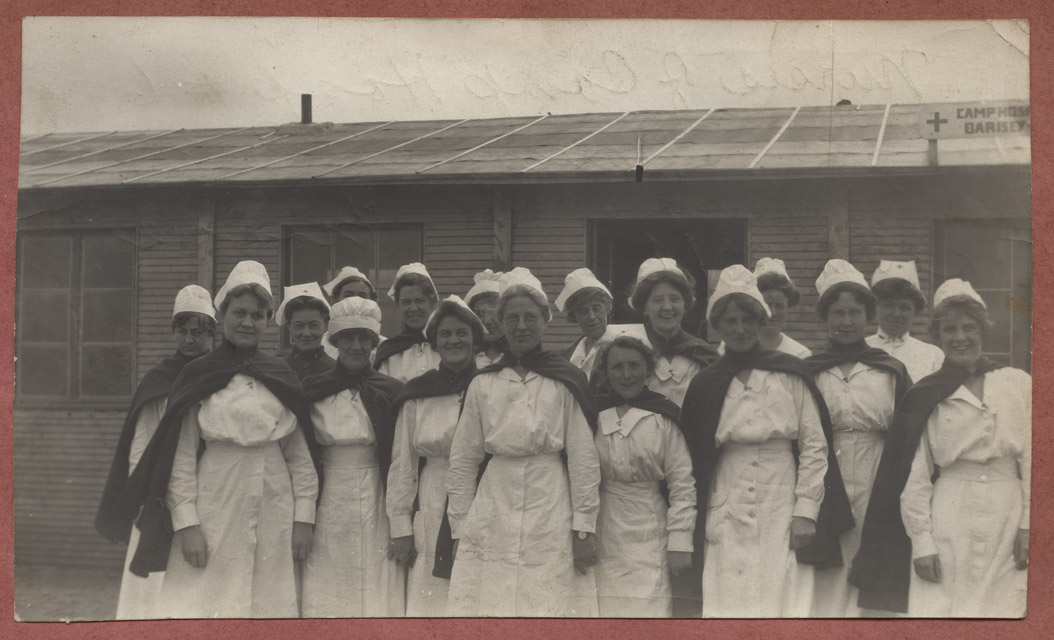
75	395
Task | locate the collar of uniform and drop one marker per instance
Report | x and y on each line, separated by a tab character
886	339
625	424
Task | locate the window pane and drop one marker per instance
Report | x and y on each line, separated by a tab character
999	338
106	370
45	316
46	262
309	259
43	370
107	316
355	248
109	261
979	253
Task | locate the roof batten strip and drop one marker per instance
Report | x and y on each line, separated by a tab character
92	153
145	155
881	136
401	144
679	136
34	138
576	143
68	143
300	153
200	160
757	159
480	146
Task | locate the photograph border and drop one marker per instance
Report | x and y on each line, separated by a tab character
1041	583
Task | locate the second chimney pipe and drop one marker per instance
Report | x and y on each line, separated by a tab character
305	108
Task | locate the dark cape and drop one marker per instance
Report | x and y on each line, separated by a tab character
682	344
378	393
548	364
837	355
700	415
156	384
647	400
882	568
308	363
148	485
397	344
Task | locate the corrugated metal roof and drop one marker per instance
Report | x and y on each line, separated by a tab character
552	147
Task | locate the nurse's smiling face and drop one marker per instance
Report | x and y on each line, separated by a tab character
244	321
354	347
306	328
961	339
846	319
627	371
454	342
665	309
414	306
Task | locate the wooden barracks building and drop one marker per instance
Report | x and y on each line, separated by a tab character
112	224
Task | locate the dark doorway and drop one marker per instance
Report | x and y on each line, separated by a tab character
703	247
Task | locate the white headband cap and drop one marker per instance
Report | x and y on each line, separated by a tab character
890	269
520	276
576	281
838	270
771	265
737	279
485	281
245	272
956	287
354	313
345	273
413	267
444	307
305	290
194	299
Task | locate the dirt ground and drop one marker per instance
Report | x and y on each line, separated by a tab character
49	594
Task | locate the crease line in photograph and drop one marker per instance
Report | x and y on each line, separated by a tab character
881	136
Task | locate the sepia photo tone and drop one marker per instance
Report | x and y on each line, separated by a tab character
742	323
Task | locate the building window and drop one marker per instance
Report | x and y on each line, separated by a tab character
995	256
703	247
75	332
316	253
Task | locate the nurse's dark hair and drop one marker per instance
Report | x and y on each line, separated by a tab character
416	280
862	294
744	303
346	281
627	342
968	306
893	288
305	302
261	294
194	320
449	308
486	296
780	282
518	290
685	285
585	296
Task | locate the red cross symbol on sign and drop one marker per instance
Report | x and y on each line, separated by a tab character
937	121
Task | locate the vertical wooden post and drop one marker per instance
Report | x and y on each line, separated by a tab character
502	214
207	243
838	232
931	153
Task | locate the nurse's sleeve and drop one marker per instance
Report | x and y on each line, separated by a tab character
402	475
677	471
812	452
302	473
583	466
915	508
466	452
182	494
